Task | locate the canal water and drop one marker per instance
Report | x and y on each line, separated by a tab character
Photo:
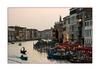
34	57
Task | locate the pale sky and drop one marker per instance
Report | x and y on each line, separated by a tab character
36	18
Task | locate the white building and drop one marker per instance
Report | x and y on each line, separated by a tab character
11	33
47	34
88	33
66	27
88	28
73	24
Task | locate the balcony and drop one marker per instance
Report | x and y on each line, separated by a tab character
80	28
64	29
79	35
79	16
73	11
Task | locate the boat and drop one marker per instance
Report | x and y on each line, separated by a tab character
23	51
12	43
56	56
19	44
23	57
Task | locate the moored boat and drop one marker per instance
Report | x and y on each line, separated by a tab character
19	44
23	57
12	42
56	56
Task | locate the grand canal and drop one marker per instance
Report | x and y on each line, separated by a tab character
34	57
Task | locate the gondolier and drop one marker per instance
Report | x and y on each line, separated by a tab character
23	51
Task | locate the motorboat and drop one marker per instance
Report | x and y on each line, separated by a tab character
19	44
24	57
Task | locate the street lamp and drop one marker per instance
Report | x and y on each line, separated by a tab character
80	30
67	36
80	20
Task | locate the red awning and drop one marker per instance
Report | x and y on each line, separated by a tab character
86	48
74	45
66	45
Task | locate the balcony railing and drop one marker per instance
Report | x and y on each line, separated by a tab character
79	35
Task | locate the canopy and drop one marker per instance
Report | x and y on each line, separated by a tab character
74	45
67	44
86	48
52	41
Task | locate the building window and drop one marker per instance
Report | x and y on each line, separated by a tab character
68	21
64	22
80	9
53	35
81	15
53	30
85	16
90	23
72	27
90	32
60	30
85	23
72	20
85	32
89	15
64	29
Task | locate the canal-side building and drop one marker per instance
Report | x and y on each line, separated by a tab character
84	21
17	28
81	27
39	34
11	33
88	27
31	34
73	25
47	34
20	33
27	34
35	34
66	26
57	31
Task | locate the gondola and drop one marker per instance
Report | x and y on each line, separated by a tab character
19	44
23	57
23	51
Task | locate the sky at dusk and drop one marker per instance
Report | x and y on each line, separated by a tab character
35	17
